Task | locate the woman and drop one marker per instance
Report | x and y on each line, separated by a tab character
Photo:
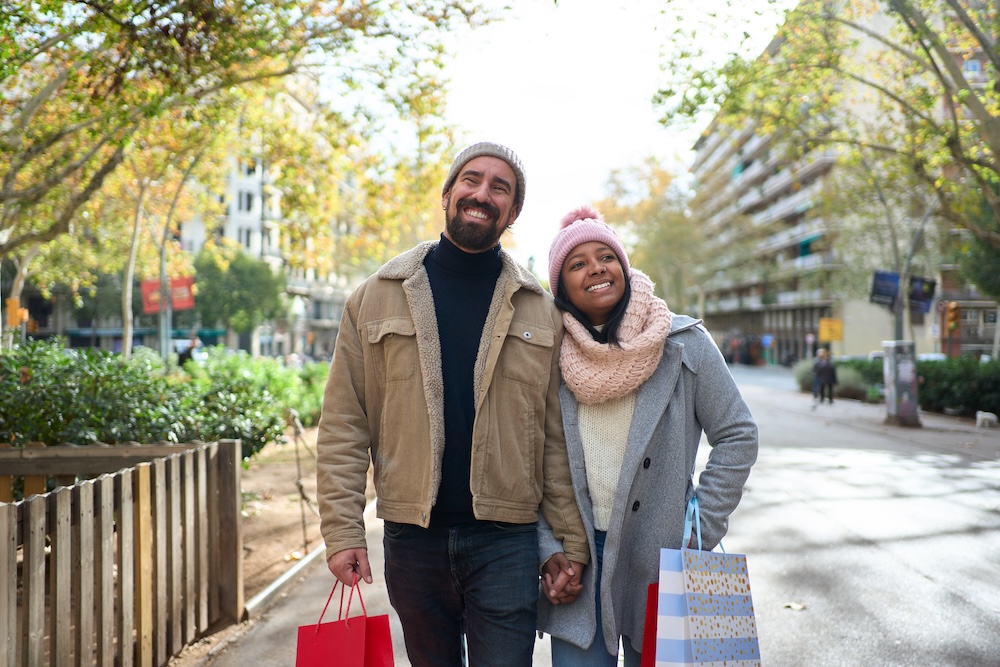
640	384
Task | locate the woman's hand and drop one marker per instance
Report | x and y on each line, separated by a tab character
561	579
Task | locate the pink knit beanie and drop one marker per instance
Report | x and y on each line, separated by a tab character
581	225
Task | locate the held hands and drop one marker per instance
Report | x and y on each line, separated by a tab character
350	565
561	579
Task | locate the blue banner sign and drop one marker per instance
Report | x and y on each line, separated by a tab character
885	288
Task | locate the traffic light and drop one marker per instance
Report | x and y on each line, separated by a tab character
952	314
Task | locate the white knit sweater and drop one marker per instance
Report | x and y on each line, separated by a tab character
604	433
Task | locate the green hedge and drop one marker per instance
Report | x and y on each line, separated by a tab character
962	384
54	395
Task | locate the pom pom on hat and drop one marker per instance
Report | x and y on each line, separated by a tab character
581	225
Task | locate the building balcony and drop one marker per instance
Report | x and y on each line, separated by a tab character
783	180
798	202
322	323
716	220
722	149
800	264
802	297
804	230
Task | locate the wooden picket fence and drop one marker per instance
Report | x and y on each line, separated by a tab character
127	566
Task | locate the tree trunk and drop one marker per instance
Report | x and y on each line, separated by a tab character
129	274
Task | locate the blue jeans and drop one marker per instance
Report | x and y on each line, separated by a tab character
565	654
474	581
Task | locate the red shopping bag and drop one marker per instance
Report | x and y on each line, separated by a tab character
649	633
359	641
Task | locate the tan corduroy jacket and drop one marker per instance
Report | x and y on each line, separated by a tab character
383	400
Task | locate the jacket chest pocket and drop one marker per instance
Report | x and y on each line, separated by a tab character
527	354
393	344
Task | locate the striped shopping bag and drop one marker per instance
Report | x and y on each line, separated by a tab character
704	609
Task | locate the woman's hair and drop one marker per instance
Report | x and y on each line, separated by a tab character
609	333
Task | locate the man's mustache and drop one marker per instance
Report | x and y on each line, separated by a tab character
487	207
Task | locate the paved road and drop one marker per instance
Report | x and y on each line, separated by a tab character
867	544
871	544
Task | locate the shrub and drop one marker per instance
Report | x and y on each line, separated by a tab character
962	383
870	371
803	372
850	383
314	375
238	396
53	395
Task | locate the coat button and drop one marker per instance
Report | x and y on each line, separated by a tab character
635	505
527	335
645	464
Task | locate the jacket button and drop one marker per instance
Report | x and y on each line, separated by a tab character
635	505
645	464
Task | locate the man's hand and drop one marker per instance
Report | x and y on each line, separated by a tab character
349	565
561	579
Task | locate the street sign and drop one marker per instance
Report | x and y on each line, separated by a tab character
831	329
181	295
921	294
885	287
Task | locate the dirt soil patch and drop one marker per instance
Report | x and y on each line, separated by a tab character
280	514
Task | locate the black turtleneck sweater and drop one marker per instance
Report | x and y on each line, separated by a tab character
462	284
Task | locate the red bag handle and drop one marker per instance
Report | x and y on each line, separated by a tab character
341	615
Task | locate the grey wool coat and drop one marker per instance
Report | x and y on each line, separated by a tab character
691	391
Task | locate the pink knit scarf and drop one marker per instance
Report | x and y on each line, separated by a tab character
596	372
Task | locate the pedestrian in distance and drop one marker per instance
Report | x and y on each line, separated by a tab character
445	377
824	376
188	353
641	384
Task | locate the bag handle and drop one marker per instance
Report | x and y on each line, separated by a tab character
692	517
341	614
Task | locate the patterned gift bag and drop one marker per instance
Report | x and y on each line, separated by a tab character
705	611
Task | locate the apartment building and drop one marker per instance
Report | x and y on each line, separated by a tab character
763	294
768	287
252	216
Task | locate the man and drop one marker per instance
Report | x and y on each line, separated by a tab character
446	375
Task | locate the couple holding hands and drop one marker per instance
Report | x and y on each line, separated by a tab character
532	453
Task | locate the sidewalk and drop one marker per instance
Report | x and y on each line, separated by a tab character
269	638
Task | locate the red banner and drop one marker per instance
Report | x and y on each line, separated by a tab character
181	295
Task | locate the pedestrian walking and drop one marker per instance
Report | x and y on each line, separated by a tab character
641	385
824	376
445	376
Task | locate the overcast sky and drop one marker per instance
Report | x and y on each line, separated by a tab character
569	88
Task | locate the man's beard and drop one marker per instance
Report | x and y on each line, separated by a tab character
472	236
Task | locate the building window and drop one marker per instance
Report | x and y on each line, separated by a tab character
245	201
